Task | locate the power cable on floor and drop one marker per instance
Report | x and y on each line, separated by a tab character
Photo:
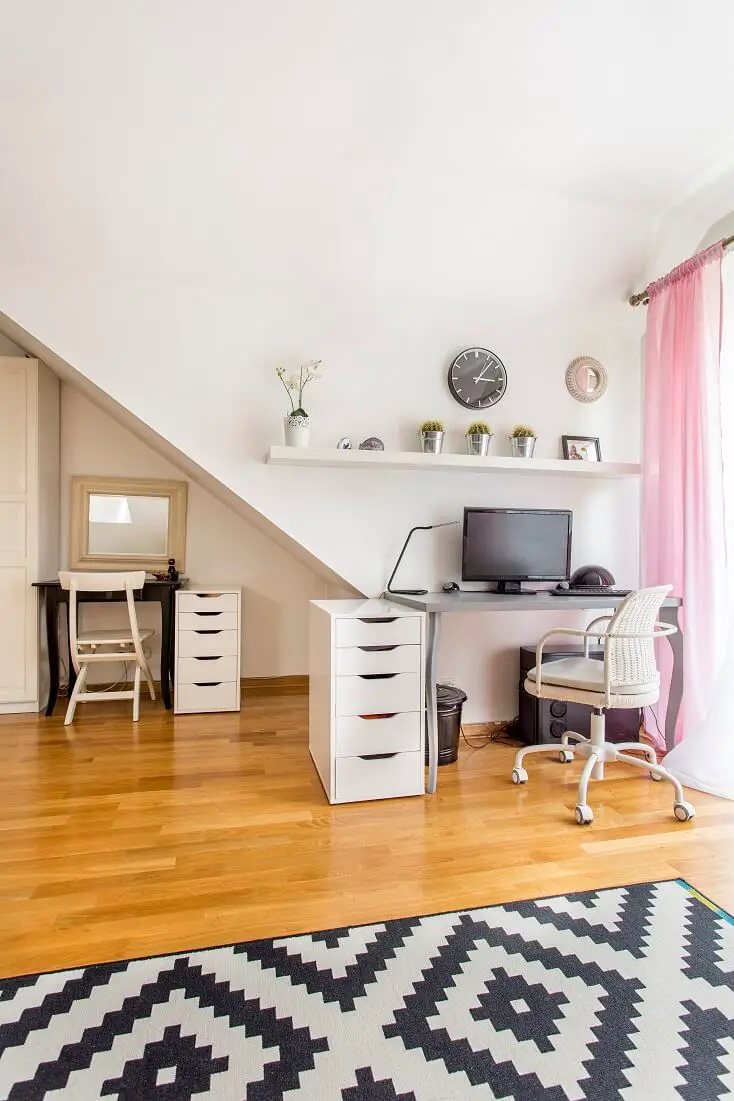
500	734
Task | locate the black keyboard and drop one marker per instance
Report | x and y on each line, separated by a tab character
591	590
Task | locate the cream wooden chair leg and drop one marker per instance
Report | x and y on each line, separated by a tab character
136	694
149	678
77	690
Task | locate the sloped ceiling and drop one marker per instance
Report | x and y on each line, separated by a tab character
191	193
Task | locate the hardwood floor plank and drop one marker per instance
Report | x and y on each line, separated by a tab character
184	832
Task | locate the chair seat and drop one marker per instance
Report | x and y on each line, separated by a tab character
581	680
114	637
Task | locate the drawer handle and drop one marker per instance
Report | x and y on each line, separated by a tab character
376	756
376	676
206	613
374	649
207	596
384	619
386	715
197	632
207	683
208	657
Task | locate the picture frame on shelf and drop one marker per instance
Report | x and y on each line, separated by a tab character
586	449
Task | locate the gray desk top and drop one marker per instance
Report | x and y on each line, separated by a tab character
522	602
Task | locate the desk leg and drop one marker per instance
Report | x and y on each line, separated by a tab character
51	606
72	670
166	648
434	624
675	695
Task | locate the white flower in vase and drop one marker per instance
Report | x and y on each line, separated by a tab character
296	424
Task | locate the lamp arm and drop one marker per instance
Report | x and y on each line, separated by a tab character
407	592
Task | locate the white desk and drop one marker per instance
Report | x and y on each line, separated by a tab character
436	604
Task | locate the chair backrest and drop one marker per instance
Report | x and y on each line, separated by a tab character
632	660
99	582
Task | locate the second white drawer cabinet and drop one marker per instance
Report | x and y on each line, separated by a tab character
208	648
366	698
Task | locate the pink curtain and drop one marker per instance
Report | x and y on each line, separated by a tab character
683	533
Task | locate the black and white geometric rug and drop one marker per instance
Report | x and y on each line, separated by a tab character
625	993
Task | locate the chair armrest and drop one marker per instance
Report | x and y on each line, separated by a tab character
660	631
600	635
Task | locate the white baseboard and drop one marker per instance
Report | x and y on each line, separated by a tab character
25	708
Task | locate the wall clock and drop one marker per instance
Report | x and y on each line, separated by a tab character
477	378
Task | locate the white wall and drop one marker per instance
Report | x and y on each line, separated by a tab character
349	182
221	546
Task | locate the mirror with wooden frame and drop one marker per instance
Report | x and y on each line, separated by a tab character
127	523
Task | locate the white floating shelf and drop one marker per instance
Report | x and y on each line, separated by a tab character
472	464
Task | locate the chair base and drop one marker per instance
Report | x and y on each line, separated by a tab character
596	752
79	695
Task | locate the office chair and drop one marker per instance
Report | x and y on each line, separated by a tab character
627	677
115	645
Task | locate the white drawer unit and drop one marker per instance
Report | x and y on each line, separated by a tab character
367	699
370	660
378	694
208	621
200	643
208	648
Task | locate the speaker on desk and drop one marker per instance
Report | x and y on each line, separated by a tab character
545	721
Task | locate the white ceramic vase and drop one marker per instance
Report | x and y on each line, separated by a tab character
297	431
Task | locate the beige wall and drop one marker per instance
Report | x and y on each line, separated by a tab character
222	548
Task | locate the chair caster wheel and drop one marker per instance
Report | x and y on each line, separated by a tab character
684	811
584	814
519	776
565	756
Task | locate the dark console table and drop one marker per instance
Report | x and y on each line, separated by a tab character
52	596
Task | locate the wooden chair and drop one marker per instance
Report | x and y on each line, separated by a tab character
114	645
627	677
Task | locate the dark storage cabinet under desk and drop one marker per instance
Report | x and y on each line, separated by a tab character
547	720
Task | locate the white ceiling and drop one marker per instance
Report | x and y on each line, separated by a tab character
147	135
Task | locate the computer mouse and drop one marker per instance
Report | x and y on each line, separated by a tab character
451	587
563	585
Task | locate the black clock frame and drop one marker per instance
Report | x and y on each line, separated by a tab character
452	391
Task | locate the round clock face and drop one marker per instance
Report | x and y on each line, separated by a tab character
477	378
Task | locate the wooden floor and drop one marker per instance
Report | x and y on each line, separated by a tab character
119	840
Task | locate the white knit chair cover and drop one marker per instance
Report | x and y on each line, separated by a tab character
631	661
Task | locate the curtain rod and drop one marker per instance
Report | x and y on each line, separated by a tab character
642	298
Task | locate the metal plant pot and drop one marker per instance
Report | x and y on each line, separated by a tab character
477	443
431	443
522	446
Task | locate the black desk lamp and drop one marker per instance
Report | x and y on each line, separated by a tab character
419	527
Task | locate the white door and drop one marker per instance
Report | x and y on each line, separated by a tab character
18	531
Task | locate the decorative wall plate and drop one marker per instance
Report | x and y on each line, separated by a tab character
586	379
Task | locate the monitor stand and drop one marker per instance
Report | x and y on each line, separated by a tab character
513	588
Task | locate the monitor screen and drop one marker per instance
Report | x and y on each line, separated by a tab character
514	544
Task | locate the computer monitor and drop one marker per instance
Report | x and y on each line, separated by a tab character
512	545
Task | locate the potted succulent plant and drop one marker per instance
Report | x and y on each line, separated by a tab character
478	436
296	424
431	435
522	441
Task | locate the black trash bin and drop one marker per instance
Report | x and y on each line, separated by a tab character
450	702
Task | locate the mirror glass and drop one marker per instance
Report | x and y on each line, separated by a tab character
587	379
122	526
